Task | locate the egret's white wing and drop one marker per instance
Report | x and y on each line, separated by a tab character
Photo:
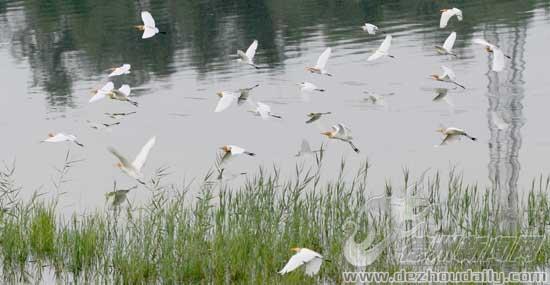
385	46
323	58
375	55
297	260
313	266
125	89
498	60
445	16
458	13
148	19
450	41
264	110
143	153
98	96
448	72
107	87
342	131
251	51
370	28
124	69
236	149
120	157
225	101
149	32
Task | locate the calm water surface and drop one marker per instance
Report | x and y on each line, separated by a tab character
53	53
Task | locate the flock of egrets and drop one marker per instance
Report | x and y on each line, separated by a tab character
310	259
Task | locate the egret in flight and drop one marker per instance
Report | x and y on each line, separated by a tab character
453	134
447	76
264	111
122	94
309	87
244	94
149	27
310	259
226	99
133	169
320	67
102	92
370	28
446	14
447	47
121	70
248	57
341	132
117	197
498	55
383	50
233	150
315	116
61	137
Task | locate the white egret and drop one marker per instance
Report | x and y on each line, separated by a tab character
377	99
226	99
233	150
248	57
383	50
121	70
307	257
244	94
452	134
102	92
61	137
122	94
341	132
305	149
316	116
149	27
309	87
133	169
320	67
264	111
446	14
447	76
447	47
498	55
370	28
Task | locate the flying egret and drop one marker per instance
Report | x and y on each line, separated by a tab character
377	99
498	55
447	76
248	57
133	169
305	149
307	257
452	134
233	150
244	93
102	92
122	94
320	67
149	27
315	116
61	137
446	14
121	70
447	47
341	132
309	87
264	111
226	99
383	50
370	28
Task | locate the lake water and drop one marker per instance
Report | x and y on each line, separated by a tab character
54	53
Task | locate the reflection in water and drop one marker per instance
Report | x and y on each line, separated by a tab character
505	93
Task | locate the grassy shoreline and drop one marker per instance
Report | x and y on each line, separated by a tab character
244	234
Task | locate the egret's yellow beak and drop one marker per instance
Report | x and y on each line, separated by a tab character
295	249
